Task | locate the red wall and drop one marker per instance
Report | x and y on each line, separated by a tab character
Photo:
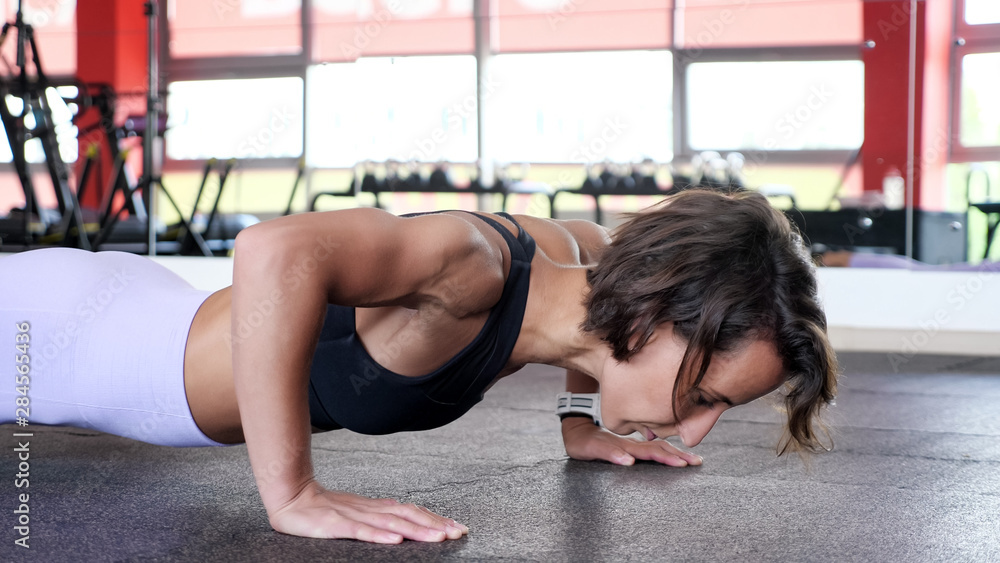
887	23
111	49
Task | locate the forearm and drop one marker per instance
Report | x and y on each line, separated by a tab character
274	333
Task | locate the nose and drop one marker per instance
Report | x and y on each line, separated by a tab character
695	427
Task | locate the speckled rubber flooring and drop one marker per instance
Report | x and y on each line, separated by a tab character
915	476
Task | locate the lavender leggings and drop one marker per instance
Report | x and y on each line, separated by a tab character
866	260
106	338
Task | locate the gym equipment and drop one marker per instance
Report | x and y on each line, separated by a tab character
990	207
300	172
615	179
591	182
609	181
366	180
68	224
735	161
214	234
192	236
34	121
414	181
851	161
625	180
149	129
150	176
939	237
644	175
705	170
439	179
113	229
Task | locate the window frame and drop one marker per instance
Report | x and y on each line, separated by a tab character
968	39
666	50
234	68
985	31
683	149
257	66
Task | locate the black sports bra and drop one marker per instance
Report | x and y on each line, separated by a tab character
349	389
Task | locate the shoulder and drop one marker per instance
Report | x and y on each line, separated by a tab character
591	237
567	241
369	228
368	257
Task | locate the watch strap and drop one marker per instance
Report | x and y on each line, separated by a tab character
579	404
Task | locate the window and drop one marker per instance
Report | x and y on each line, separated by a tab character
400	108
791	105
258	118
581	107
976	87
980	92
979	12
62	118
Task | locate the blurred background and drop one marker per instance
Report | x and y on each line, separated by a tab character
849	113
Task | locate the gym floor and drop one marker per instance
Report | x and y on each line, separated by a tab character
915	476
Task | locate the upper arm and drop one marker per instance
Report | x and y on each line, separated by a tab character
368	257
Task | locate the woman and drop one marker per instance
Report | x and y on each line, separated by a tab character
377	323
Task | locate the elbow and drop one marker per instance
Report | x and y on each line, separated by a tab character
249	241
256	255
273	259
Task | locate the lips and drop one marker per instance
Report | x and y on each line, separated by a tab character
648	434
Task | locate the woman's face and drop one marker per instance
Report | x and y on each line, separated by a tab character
636	396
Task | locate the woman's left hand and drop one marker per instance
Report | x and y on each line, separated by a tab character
586	441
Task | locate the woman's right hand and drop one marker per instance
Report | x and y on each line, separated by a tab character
319	513
286	272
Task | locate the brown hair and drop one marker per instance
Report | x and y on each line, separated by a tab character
725	269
